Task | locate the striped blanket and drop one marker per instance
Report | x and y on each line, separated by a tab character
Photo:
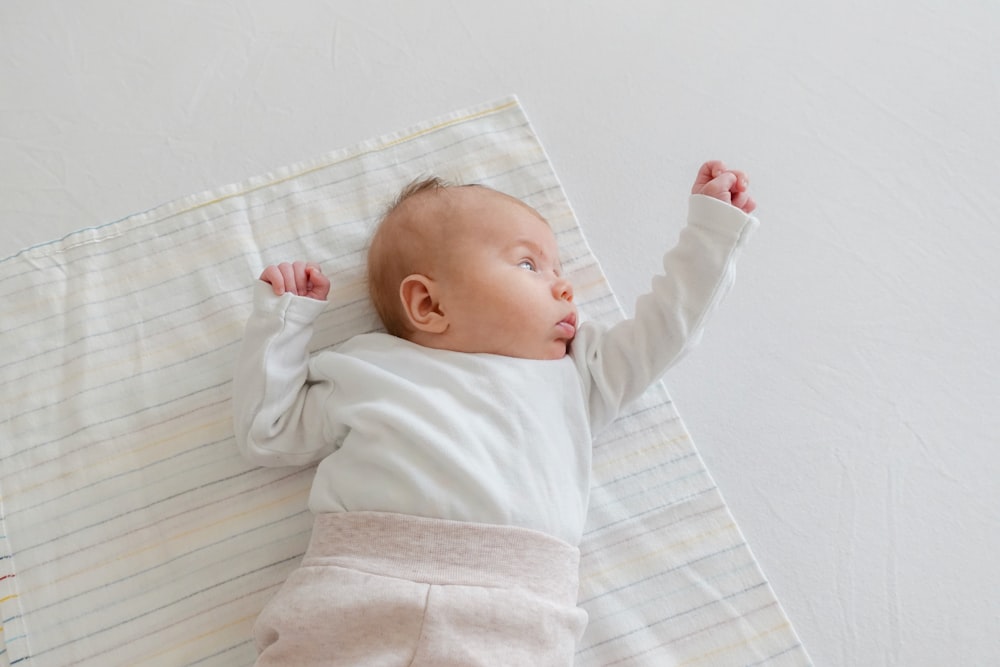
134	534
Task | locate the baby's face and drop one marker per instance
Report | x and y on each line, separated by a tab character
502	285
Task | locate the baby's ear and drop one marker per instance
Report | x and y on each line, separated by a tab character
419	296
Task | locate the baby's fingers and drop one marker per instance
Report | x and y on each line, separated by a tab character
272	276
720	187
318	284
708	171
301	278
744	202
742	181
298	278
288	277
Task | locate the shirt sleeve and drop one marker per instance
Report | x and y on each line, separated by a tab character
278	412
619	363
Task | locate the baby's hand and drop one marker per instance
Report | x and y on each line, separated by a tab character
299	278
730	186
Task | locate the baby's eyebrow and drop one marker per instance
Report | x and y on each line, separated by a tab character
538	250
526	243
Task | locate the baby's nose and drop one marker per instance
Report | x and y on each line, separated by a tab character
562	289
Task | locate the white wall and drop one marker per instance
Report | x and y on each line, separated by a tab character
846	398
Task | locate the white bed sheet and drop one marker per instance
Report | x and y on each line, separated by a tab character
135	534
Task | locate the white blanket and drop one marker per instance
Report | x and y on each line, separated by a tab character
133	532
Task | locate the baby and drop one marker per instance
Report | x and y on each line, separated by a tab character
455	450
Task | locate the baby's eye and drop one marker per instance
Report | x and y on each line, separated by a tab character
526	264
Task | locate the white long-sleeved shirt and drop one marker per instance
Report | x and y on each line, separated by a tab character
397	427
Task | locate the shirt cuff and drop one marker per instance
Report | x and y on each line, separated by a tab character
302	309
718	216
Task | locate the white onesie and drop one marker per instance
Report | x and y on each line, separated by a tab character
400	428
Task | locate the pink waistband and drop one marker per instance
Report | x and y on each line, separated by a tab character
437	551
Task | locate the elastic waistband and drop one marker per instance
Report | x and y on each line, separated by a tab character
438	551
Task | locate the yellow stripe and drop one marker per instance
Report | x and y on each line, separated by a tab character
401	140
230	330
660	444
177	646
9	597
671	547
723	649
128	453
155	545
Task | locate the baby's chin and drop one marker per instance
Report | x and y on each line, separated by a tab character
551	352
557	351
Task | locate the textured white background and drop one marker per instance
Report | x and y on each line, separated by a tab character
846	398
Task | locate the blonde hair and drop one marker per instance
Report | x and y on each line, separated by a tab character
393	255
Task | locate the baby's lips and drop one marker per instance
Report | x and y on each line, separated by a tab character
568	325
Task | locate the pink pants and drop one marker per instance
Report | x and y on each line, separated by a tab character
379	589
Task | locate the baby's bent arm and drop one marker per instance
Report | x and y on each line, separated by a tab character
278	411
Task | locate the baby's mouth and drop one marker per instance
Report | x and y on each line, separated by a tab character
568	325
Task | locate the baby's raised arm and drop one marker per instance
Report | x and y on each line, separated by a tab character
299	278
622	361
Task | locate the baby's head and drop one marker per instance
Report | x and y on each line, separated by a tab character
470	269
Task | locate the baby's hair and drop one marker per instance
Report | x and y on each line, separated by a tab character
389	261
415	187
